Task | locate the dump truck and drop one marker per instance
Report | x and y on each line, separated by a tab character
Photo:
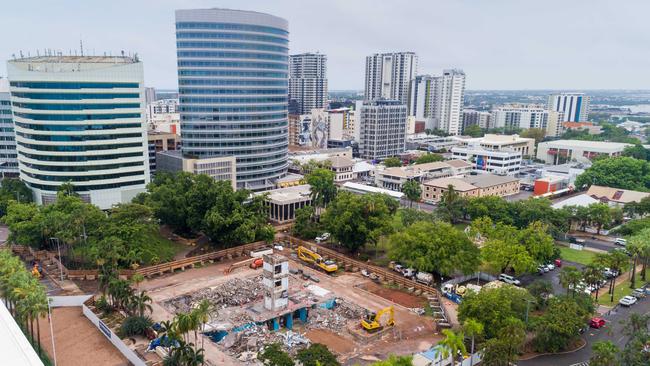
425	278
371	320
310	256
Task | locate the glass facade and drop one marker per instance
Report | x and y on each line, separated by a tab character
233	87
8	158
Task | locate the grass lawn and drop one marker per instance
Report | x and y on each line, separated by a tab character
160	249
621	290
577	256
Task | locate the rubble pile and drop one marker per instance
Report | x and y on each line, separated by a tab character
336	318
235	292
256	337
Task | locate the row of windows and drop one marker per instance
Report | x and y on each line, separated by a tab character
252	74
238	143
197	145
232	135
75	117
71	85
190	125
75	107
81	178
78	188
77	127
74	96
264	108
189	91
232	46
237	55
4	102
238	36
233	100
233	64
80	158
230	26
78	148
81	168
60	138
282	82
245	118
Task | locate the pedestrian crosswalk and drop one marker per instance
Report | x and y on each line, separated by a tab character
586	363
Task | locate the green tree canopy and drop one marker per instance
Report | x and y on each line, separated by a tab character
317	355
412	190
273	355
619	172
322	185
473	131
434	247
559	325
429	158
392	162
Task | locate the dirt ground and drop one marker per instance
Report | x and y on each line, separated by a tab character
77	341
335	342
396	296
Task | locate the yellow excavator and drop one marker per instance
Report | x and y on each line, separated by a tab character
371	320
310	256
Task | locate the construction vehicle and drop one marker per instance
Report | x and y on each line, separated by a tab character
253	263
310	256
371	320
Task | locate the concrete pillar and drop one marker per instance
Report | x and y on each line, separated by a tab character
303	314
288	321
276	324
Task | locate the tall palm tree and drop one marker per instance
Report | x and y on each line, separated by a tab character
619	262
472	328
452	344
204	312
183	324
141	303
638	246
569	278
593	275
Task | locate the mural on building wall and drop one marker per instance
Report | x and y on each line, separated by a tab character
313	130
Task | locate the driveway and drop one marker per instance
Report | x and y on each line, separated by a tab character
611	332
553	276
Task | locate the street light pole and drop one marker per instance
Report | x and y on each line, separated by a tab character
49	313
58	246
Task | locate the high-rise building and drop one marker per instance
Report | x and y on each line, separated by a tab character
483	119
308	81
388	75
8	159
382	129
80	119
575	106
439	100
232	79
522	116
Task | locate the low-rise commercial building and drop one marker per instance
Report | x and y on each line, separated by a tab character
219	168
525	146
342	168
284	202
365	189
471	186
394	178
563	151
579	126
423	141
161	141
506	162
615	196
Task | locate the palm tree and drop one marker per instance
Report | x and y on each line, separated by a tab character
204	311
569	278
412	190
452	344
639	247
472	328
604	354
593	275
141	303
619	262
183	324
185	355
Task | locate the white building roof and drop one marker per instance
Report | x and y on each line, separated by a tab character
16	349
582	200
362	166
594	145
362	188
288	194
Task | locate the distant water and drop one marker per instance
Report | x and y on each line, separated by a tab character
638	108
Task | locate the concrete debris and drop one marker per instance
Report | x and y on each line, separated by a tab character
336	318
418	311
235	292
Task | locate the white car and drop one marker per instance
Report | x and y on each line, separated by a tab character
627	300
620	241
509	279
550	266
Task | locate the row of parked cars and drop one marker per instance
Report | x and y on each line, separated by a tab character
421	277
635	296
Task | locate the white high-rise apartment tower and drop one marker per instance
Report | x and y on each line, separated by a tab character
522	116
388	75
575	106
382	130
439	99
80	119
307	82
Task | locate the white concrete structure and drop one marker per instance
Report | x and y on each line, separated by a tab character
382	129
364	189
388	75
575	106
341	123
394	178
308	82
523	145
218	168
163	116
80	119
505	162
439	100
283	202
563	151
525	116
8	155
16	349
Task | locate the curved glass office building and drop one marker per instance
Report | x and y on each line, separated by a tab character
80	119
233	90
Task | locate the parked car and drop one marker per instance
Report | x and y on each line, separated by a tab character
541	270
550	266
398	268
610	273
509	279
620	241
627	300
425	278
597	322
408	272
639	293
365	273
558	263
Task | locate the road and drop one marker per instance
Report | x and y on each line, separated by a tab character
599	244
613	331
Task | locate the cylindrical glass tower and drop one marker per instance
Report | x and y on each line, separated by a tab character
233	80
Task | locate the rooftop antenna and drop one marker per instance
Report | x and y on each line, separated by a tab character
21	53
81	46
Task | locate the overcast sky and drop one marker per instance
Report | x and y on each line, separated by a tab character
501	44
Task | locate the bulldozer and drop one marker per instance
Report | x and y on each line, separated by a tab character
371	320
310	256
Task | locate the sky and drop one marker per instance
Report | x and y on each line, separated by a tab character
500	44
